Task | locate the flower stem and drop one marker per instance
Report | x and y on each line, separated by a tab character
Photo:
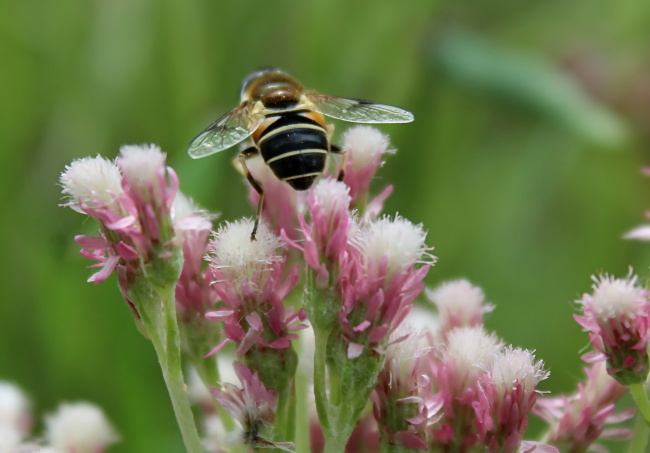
641	400
640	440
302	412
285	415
157	310
290	429
320	393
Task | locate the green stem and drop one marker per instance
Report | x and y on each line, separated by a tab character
641	399
159	320
290	427
285	401
343	424
351	383
320	392
639	442
302	415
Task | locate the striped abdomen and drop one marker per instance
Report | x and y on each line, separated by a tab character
296	149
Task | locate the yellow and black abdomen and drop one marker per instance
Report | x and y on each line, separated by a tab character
296	149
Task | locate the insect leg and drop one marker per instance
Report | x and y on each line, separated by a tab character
247	154
344	159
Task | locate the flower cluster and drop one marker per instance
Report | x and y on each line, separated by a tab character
452	387
371	265
617	317
133	200
472	392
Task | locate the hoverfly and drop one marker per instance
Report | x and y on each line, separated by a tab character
288	129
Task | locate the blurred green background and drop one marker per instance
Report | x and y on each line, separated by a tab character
532	123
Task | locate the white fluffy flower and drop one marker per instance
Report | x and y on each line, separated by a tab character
471	348
234	254
142	164
423	318
514	366
399	240
616	297
14	409
459	303
331	195
95	181
79	427
365	145
9	438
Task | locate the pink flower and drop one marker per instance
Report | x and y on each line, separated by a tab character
94	186
617	317
577	421
249	279
506	393
132	202
365	147
93	182
151	188
194	293
326	234
459	303
464	357
396	399
254	406
381	281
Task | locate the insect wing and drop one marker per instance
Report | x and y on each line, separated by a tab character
358	110
227	131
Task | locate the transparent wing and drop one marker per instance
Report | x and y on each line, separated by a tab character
227	131
358	110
